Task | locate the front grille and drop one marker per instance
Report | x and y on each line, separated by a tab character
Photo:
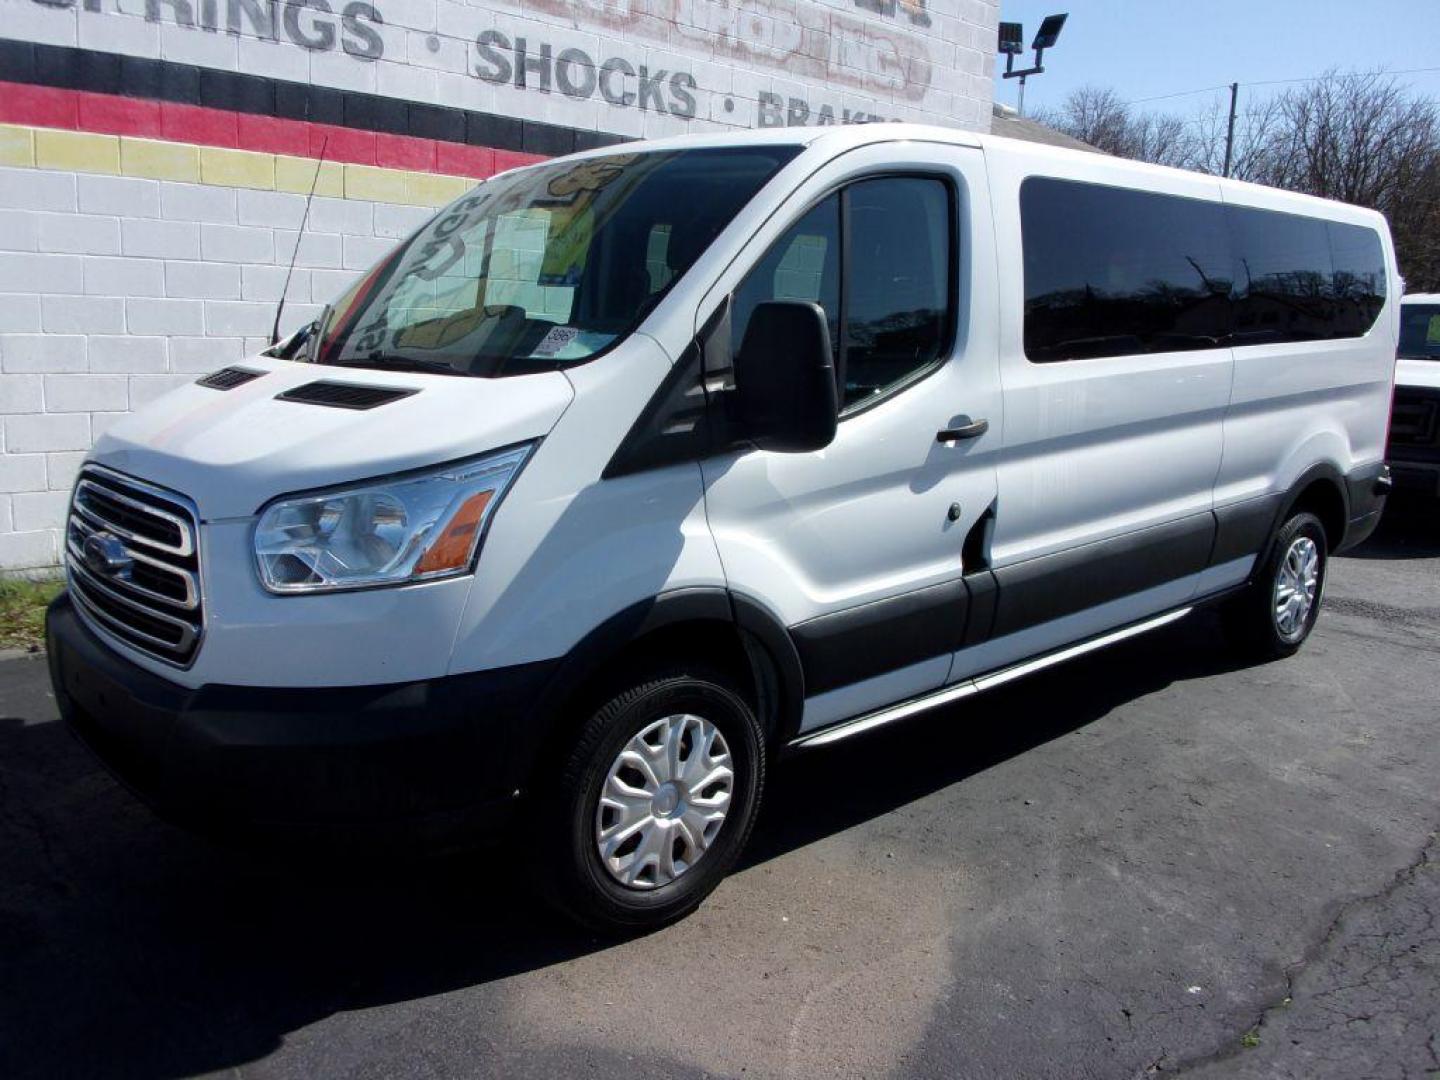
1413	421
133	557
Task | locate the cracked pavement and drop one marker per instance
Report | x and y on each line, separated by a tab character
1145	863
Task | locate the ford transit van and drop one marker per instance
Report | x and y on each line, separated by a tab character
633	470
1414	452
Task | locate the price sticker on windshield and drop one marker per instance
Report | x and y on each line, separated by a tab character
555	340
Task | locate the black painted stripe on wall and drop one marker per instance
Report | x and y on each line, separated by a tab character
98	72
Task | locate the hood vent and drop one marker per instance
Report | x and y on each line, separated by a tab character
228	378
339	395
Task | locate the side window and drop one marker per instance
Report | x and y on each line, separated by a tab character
1114	272
879	252
897	303
804	264
1282	277
1358	283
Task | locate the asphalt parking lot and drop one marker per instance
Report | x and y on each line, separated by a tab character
1149	862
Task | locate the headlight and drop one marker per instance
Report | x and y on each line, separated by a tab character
408	528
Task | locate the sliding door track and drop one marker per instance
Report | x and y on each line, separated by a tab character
945	695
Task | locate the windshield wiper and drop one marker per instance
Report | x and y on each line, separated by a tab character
390	362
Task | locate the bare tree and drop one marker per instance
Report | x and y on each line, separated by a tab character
1096	115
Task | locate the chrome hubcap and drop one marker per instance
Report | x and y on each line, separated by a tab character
664	801
1297	585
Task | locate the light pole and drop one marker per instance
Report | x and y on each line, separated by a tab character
1012	44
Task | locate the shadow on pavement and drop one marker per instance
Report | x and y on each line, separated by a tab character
1409	529
131	948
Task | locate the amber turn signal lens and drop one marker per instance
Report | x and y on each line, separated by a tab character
455	544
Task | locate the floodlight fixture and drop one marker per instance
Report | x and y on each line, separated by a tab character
1048	33
1012	36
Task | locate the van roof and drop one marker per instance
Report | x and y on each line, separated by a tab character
842	137
1420	298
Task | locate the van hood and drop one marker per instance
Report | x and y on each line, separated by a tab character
231	451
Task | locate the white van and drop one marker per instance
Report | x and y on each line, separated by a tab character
1414	451
632	470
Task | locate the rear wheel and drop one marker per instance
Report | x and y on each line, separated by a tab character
1278	610
653	803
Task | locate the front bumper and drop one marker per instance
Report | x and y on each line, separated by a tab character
427	764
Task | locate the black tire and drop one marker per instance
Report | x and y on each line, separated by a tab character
568	864
1251	621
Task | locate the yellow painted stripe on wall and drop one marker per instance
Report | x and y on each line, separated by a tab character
157	159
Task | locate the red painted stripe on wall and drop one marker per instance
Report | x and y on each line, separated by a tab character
110	114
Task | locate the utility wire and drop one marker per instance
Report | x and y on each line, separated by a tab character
1279	82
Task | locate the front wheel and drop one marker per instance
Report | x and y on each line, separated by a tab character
653	803
1276	613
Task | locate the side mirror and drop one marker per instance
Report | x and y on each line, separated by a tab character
785	378
291	347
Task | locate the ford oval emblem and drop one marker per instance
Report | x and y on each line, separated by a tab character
106	554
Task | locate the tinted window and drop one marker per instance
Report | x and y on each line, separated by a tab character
1283	273
804	264
895	280
1357	283
1420	331
1110	271
896	311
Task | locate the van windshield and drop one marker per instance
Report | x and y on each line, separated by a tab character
545	267
1420	331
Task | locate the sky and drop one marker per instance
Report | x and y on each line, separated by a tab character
1147	48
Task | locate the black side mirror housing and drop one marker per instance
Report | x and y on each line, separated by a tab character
786	396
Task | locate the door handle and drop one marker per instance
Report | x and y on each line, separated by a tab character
970	429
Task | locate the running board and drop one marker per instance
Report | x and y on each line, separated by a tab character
946	695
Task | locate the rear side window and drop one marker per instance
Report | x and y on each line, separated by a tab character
1110	271
877	257
1113	272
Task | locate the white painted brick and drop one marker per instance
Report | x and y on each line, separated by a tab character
146	388
21	394
43	353
35	510
254	345
236	243
82	315
19	230
23	272
127	355
398	222
36	189
320	250
127	34
167	317
22	472
101	422
86	393
60	431
106	276
271	209
362	252
202	280
120	195
162	239
265	283
327	286
238	317
82	234
27	551
60	469
353	217
7	514
197	203
19	314
197	355
46	24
